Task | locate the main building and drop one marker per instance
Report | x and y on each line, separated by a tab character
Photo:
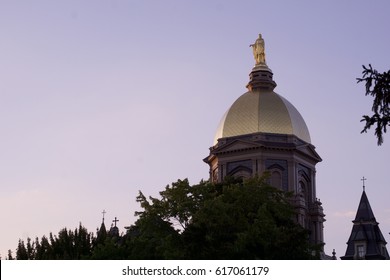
262	131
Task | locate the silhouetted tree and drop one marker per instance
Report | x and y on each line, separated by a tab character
21	251
30	249
377	85
69	244
232	220
248	220
155	239
9	256
111	248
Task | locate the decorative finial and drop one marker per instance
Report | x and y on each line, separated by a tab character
104	212
363	179
259	51
115	220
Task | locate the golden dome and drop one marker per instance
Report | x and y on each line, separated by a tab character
265	111
261	109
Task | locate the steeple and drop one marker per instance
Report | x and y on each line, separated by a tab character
104	212
102	232
114	231
364	212
366	240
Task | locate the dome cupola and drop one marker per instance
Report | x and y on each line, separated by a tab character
261	109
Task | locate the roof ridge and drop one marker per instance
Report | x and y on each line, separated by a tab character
364	212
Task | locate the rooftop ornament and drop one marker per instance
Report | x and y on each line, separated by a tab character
259	51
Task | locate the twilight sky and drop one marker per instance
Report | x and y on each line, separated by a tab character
100	99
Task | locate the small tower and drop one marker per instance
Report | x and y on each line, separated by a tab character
102	232
114	231
366	240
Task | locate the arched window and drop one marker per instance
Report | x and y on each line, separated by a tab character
276	179
215	175
304	188
302	192
242	174
301	189
360	251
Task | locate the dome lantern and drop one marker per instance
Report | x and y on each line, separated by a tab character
261	75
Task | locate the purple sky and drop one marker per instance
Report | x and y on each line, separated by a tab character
100	99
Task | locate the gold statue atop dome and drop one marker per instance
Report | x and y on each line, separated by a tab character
258	51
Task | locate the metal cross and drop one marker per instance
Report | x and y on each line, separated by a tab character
104	212
115	220
363	179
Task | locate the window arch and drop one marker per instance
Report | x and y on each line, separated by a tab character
360	251
276	179
301	191
304	187
242	174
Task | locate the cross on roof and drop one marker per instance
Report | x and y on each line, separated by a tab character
104	212
115	220
363	179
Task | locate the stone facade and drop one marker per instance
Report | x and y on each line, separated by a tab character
290	163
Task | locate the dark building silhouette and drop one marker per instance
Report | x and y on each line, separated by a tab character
366	240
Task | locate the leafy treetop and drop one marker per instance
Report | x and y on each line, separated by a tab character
377	85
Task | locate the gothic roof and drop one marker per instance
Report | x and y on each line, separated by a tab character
366	232
364	212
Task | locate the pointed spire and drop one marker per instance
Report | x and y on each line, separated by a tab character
114	231
102	232
104	212
364	212
366	240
